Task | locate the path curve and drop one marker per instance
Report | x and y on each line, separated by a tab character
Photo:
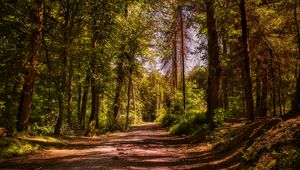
145	147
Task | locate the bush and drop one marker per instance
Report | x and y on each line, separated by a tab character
220	115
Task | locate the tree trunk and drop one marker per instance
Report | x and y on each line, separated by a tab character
296	100
225	89
273	82
84	102
245	64
79	100
128	101
57	130
214	72
69	93
264	92
174	59
30	74
279	90
258	87
182	53
117	101
94	109
95	95
134	104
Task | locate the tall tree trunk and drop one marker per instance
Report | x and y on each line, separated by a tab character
246	65
69	93
79	99
296	100
95	95
258	87
264	92
95	108
57	130
84	101
273	82
120	82
174	59
279	90
30	74
225	89
182	53
214	72
134	104
128	101
117	100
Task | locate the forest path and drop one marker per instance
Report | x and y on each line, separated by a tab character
144	147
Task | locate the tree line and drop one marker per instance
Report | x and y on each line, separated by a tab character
70	65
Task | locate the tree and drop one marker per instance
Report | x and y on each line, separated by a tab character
296	100
30	74
245	63
182	57
214	73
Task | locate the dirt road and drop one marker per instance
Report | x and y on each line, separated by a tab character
145	147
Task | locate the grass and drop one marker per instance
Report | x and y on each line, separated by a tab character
23	145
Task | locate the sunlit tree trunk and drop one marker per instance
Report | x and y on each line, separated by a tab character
30	74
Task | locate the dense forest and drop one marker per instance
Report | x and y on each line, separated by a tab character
86	68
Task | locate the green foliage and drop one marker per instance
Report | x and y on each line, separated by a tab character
189	124
10	147
220	115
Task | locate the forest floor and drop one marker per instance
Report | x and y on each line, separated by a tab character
147	146
267	143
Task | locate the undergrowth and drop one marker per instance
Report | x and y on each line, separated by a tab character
10	147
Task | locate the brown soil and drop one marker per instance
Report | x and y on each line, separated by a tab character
145	147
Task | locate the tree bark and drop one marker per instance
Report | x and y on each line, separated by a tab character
264	92
246	65
30	74
57	130
128	101
69	93
79	100
296	100
174	59
182	53
117	100
84	102
95	96
258	87
94	110
214	72
273	82
225	90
